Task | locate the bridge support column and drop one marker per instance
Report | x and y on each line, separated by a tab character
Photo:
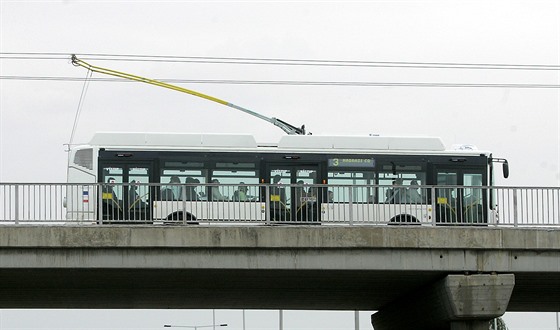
457	302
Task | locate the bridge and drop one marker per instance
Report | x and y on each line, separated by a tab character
444	264
414	276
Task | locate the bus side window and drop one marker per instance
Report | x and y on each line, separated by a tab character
229	177
403	187
355	185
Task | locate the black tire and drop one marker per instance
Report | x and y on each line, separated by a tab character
404	220
177	218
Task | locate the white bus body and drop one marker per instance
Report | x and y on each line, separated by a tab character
325	179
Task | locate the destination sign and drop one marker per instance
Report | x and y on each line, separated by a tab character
351	162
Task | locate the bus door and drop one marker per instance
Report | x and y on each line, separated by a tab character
126	193
458	200
292	198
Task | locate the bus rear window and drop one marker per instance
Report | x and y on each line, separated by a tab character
84	158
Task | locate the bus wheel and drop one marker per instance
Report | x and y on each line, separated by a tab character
176	218
404	219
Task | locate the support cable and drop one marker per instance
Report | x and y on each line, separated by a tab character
80	106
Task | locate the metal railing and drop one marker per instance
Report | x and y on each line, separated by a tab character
181	204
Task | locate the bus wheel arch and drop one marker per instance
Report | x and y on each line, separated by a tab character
404	219
178	215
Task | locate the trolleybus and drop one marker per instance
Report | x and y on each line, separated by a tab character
193	178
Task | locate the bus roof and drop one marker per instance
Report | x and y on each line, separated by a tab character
304	143
172	140
361	143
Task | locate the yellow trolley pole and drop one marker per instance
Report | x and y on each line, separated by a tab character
290	129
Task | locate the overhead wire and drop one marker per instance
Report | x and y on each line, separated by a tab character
295	82
282	61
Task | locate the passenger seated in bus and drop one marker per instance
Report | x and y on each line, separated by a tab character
214	192
330	196
311	198
191	194
279	209
312	194
134	200
109	195
390	192
112	206
397	194
132	192
300	195
312	210
240	195
173	191
277	193
413	196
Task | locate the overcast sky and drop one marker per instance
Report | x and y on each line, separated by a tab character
520	124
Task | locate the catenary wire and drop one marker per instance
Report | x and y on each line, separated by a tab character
280	61
122	57
295	82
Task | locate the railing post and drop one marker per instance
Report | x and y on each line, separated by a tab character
184	202
267	204
515	220
99	202
434	203
351	210
16	202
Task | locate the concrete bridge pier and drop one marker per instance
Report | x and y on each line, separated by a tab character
456	302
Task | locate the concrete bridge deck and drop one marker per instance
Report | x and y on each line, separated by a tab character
288	267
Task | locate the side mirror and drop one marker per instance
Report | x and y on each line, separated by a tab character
505	169
505	165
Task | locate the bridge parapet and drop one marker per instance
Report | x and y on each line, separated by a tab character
284	237
91	203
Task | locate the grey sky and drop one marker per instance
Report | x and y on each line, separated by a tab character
521	125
